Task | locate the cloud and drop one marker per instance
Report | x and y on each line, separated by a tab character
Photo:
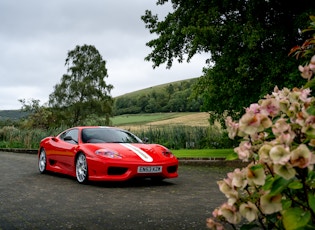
36	35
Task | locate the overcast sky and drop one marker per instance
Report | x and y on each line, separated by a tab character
36	35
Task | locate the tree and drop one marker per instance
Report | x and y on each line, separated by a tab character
39	116
82	90
248	42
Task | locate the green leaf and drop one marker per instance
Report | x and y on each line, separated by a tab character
278	186
295	218
268	183
249	226
295	185
311	179
311	200
255	167
286	204
311	110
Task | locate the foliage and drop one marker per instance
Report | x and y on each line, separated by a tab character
307	49
172	97
181	137
276	190
174	137
247	42
83	90
12	137
38	116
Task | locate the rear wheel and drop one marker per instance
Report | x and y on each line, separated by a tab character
42	161
81	169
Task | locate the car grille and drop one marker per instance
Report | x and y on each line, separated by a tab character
116	170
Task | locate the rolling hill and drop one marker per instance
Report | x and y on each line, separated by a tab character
168	97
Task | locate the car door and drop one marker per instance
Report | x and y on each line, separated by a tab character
65	149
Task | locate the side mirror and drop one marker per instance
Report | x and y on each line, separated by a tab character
67	138
145	140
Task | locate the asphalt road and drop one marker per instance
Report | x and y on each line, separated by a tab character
30	200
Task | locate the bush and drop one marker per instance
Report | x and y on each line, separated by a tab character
277	188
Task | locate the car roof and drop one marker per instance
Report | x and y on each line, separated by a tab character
95	127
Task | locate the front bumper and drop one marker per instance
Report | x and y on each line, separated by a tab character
118	170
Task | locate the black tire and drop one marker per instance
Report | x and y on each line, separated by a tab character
42	161
81	169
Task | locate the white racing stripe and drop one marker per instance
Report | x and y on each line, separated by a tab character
143	155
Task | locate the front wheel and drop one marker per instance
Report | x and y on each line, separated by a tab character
81	169
42	161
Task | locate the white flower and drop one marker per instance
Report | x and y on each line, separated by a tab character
286	171
279	154
270	204
249	211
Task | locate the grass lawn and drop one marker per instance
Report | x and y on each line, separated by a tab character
143	118
201	153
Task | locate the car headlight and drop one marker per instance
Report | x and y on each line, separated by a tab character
108	153
167	153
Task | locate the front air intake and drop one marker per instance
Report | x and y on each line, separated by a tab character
172	169
116	171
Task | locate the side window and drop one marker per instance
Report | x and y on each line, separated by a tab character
73	133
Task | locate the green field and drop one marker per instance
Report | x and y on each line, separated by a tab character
203	153
143	118
138	120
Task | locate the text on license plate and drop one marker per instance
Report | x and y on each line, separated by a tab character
149	169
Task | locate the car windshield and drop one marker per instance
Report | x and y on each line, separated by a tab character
108	135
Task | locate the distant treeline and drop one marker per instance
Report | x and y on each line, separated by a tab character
12	115
172	97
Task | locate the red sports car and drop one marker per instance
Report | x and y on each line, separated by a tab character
104	154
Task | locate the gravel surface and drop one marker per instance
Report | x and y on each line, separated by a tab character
30	200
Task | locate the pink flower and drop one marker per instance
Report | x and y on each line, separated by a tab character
270	107
230	213
238	178
251	123
214	225
244	150
215	212
228	190
232	127
281	126
305	93
306	72
253	108
283	133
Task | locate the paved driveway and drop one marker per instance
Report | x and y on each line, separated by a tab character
29	200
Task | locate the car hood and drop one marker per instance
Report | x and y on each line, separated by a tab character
135	151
